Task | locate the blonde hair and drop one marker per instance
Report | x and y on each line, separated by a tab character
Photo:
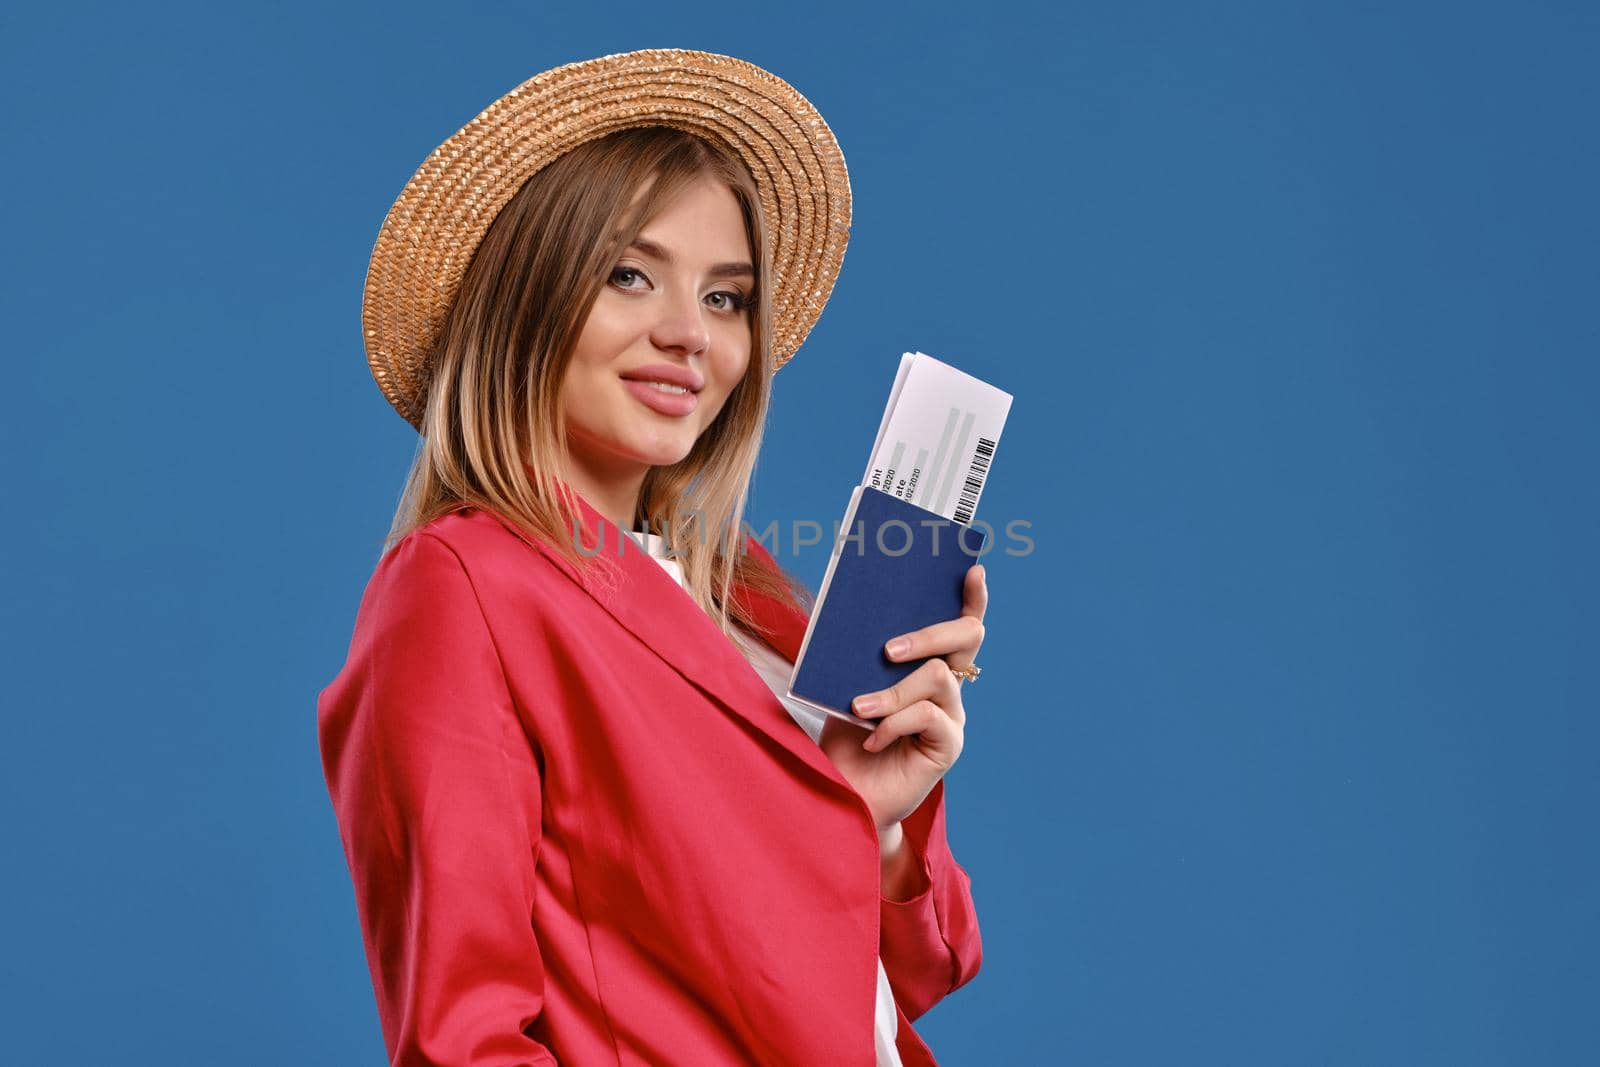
496	372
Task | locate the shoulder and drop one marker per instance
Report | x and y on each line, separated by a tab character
481	539
472	534
754	549
470	550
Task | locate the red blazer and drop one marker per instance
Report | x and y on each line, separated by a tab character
583	830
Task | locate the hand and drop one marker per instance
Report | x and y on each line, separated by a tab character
922	722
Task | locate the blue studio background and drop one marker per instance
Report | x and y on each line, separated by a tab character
1283	753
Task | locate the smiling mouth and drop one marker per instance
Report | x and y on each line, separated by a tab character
664	398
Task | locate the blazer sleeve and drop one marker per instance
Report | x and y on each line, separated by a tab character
437	793
930	944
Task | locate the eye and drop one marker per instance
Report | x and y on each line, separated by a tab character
620	275
731	301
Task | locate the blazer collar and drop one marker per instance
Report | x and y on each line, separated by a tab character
648	602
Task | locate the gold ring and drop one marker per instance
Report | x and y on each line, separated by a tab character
970	673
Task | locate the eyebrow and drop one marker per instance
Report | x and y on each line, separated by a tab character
720	270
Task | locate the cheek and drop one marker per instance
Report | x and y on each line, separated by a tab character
605	335
734	358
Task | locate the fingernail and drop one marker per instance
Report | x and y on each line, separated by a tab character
899	647
864	705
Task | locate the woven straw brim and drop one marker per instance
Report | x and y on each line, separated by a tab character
439	219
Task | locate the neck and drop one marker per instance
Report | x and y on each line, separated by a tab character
614	493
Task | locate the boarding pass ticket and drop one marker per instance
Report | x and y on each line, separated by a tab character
937	438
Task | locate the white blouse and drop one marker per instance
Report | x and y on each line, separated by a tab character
774	670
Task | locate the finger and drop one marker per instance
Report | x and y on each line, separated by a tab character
975	591
962	635
931	681
941	737
975	603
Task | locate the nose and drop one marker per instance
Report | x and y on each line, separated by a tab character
681	326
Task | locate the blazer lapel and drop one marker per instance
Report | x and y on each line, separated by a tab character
648	602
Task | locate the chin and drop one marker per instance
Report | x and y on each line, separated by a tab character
655	451
667	457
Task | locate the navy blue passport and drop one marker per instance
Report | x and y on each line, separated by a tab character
896	567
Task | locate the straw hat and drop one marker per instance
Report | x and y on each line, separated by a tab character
441	215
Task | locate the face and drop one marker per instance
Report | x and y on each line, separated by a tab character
672	311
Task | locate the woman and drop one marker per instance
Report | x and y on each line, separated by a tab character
583	823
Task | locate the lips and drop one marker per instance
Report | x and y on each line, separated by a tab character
663	401
669	374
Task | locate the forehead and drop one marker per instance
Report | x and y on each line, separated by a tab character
705	206
702	223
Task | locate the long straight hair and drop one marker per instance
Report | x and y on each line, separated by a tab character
494	410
